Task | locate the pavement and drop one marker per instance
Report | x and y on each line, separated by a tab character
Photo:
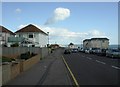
49	71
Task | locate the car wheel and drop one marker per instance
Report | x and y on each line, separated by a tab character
112	56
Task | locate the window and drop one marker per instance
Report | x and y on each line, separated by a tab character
30	36
103	41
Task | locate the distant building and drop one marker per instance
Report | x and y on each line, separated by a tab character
4	34
54	46
33	34
71	45
87	43
102	43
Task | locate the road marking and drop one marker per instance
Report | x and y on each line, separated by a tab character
115	67
73	77
89	58
100	62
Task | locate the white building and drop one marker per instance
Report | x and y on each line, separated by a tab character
102	43
4	34
34	34
71	46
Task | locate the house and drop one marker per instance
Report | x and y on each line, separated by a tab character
102	43
71	45
54	46
33	34
4	34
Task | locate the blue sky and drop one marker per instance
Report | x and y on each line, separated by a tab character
72	22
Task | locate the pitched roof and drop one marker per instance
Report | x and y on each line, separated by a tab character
3	29
54	45
71	44
31	28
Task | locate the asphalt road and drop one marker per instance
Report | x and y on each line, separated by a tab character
90	69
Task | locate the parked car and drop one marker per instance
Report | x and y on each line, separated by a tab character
102	52
94	50
67	51
82	50
113	53
74	50
87	51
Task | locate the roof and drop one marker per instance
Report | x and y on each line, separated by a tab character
86	40
31	28
95	39
71	44
99	39
3	29
54	45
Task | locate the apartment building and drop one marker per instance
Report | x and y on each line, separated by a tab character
102	43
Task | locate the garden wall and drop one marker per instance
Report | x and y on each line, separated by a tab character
11	70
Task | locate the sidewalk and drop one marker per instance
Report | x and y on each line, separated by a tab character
49	71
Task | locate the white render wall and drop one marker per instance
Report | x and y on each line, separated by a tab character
100	43
43	40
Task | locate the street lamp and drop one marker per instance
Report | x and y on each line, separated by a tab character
48	39
48	42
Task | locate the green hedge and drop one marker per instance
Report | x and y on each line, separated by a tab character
6	59
27	55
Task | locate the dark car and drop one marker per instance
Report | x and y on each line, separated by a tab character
102	52
67	51
74	50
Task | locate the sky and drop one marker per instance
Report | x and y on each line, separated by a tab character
66	22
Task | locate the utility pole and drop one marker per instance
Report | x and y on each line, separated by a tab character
48	42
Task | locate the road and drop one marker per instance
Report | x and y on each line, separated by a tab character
90	69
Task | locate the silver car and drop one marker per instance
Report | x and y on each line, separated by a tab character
114	53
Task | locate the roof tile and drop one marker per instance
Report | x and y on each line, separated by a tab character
31	28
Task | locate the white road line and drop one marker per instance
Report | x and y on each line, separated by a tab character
100	62
115	67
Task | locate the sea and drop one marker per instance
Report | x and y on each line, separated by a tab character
112	46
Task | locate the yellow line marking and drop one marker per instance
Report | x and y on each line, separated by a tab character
73	77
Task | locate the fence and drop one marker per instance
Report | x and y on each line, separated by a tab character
14	52
8	72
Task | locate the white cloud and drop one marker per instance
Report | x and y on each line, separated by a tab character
65	36
59	14
18	10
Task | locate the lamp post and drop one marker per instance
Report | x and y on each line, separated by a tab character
48	42
48	38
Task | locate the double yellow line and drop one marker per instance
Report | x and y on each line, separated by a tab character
73	77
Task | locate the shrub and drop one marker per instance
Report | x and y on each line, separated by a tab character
6	59
33	54
27	55
15	45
